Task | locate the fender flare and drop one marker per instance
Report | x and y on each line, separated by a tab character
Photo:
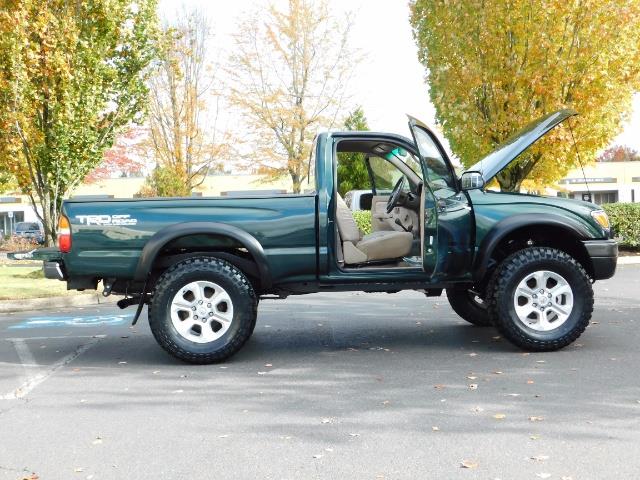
159	239
504	227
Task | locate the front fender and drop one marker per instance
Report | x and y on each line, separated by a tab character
510	224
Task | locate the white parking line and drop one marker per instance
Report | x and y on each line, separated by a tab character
36	374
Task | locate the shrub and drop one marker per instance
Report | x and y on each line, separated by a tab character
625	220
363	220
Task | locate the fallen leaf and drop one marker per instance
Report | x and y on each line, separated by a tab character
386	402
223	436
439	386
122	363
473	386
499	416
543	475
268	365
469	464
354	434
473	354
318	455
534	437
156	372
530	382
435	429
78	469
539	458
541	361
477	409
536	419
497	372
471	377
262	373
497	337
566	478
325	420
97	441
178	391
328	449
513	394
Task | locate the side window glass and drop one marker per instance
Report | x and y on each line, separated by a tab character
309	185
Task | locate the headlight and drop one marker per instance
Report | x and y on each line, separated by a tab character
601	217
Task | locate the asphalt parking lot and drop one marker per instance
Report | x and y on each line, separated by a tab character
353	385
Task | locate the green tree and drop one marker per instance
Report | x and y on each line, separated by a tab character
166	181
352	171
493	66
72	74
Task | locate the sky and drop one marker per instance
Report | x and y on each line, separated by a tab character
389	82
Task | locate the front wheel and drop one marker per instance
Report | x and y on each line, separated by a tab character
540	298
203	310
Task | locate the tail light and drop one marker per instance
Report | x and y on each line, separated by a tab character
64	234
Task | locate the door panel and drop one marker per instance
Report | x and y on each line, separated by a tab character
449	228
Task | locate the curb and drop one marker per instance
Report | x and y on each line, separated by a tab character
630	260
9	306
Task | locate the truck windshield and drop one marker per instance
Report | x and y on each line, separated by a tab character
408	159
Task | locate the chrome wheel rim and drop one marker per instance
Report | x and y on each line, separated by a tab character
201	311
543	300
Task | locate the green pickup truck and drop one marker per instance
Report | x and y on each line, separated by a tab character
522	263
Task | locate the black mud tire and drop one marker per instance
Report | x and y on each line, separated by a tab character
501	290
464	303
229	278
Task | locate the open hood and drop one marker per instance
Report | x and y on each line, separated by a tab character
509	150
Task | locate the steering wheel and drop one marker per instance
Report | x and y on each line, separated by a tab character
395	194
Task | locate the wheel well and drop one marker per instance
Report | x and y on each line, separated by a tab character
207	245
542	236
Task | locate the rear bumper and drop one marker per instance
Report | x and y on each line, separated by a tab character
604	257
53	270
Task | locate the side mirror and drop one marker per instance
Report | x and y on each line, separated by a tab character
471	180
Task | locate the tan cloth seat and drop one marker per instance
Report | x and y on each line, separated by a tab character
380	245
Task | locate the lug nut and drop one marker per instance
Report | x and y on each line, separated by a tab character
549	295
535	305
542	290
195	317
193	308
211	314
199	302
535	296
208	305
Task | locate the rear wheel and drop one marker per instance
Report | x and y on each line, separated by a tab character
203	310
469	306
541	299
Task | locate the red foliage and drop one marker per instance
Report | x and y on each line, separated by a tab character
619	153
122	159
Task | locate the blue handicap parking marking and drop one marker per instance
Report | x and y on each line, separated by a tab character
76	321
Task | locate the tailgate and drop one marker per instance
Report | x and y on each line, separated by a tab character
46	254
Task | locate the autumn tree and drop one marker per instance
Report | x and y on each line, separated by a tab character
183	107
352	171
72	74
493	66
288	75
619	153
125	158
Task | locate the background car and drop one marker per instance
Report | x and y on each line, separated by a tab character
29	230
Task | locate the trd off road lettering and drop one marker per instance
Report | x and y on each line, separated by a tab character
106	220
